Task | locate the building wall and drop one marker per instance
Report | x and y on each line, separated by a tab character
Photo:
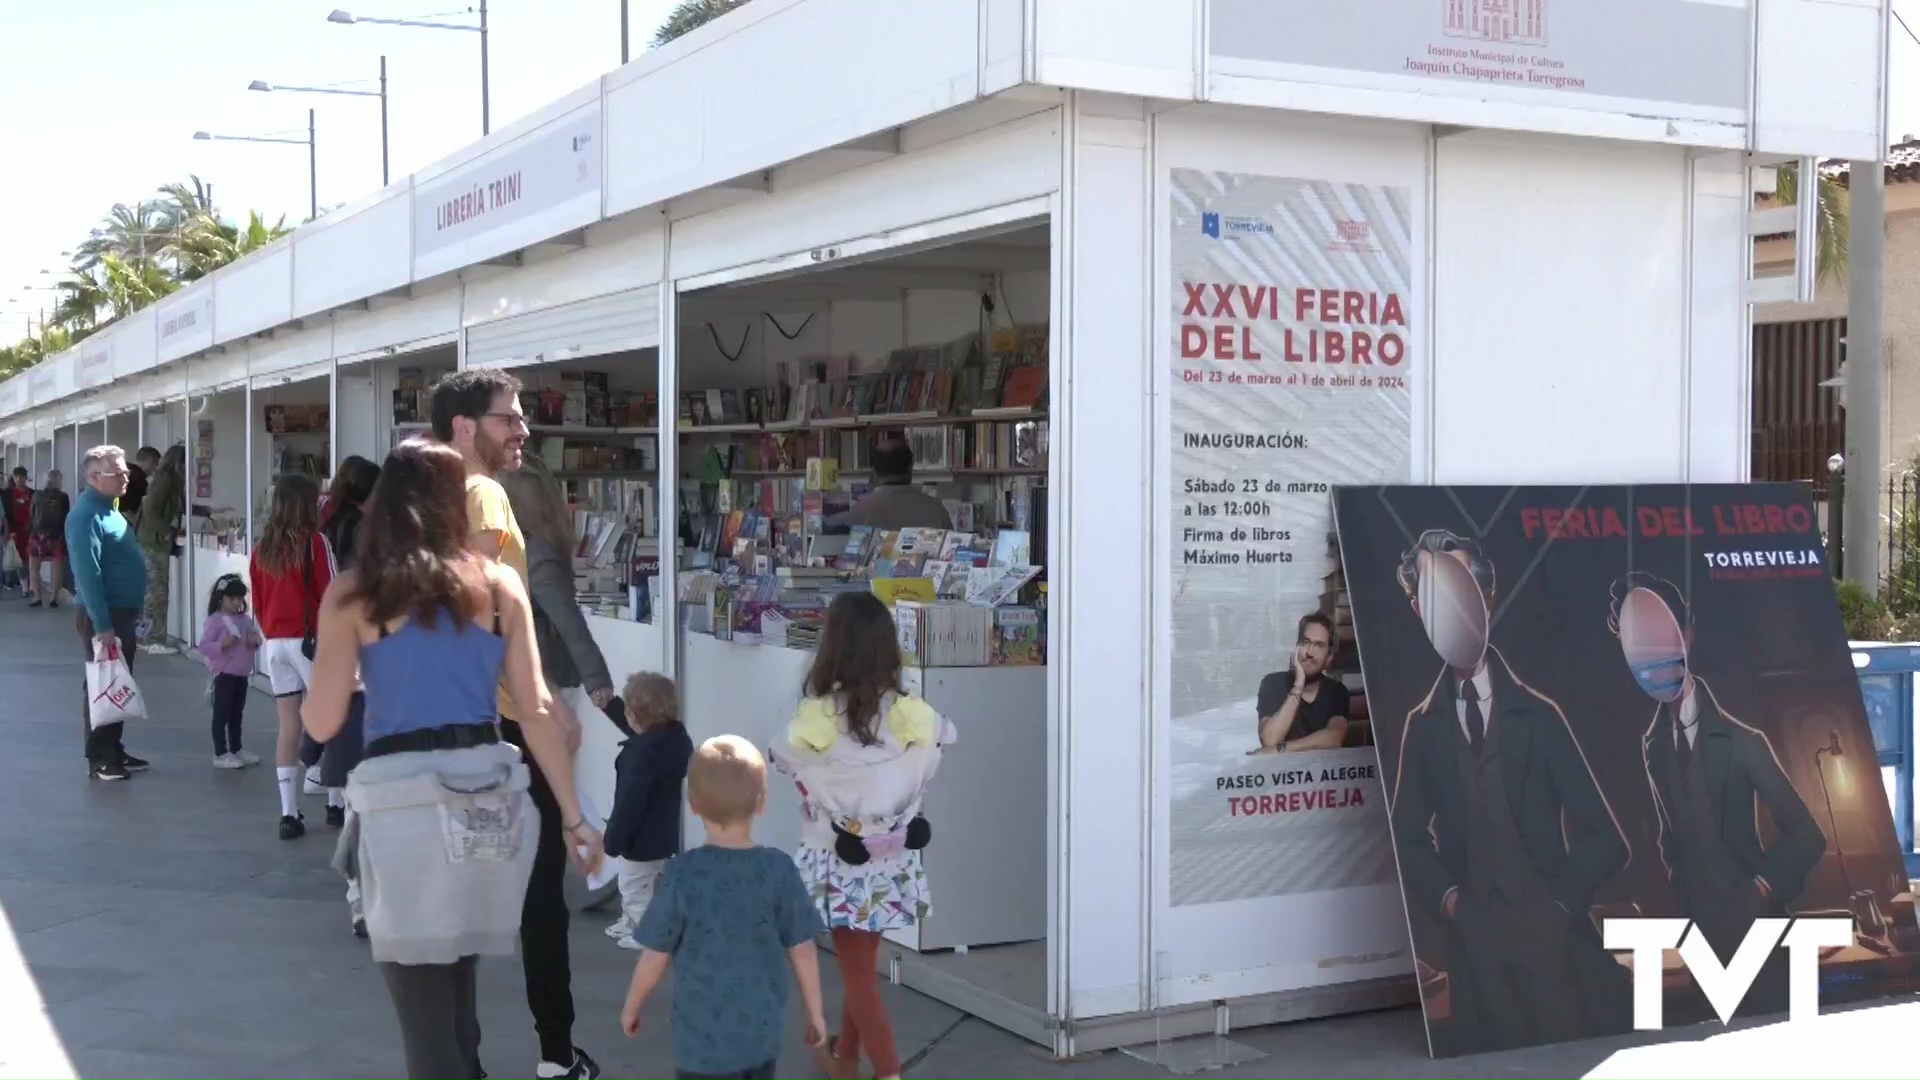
1900	420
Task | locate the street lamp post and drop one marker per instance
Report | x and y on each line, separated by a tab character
263	85
43	311
347	18
313	158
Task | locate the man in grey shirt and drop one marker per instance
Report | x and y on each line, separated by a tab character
894	502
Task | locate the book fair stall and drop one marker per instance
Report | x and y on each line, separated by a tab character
1140	286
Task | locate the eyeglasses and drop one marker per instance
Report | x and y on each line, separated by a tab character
516	421
1309	643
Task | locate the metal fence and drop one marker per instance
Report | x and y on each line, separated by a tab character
1797	423
1900	546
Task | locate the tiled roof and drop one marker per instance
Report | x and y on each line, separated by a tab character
1903	164
1902	167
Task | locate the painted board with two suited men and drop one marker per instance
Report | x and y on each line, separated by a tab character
1610	702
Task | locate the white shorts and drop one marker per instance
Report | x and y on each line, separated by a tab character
288	669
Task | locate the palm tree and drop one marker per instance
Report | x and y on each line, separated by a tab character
143	251
131	285
183	200
32	350
207	243
1831	243
82	299
140	232
690	15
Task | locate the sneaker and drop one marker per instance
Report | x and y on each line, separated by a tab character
225	761
133	764
109	771
356	911
620	927
293	828
336	817
158	649
583	1068
312	785
630	943
247	757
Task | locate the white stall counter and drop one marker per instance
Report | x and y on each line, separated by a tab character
628	647
988	806
988	809
208	564
179	602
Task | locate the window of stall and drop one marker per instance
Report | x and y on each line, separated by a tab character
793	400
292	433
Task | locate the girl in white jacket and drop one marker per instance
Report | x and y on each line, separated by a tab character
862	752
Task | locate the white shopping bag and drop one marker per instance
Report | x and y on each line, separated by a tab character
112	695
10	560
609	866
593	778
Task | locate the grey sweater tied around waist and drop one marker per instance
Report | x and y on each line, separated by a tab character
443	842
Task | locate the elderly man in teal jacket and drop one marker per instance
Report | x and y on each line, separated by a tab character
110	579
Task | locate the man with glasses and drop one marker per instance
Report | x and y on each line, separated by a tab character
110	583
1301	708
478	413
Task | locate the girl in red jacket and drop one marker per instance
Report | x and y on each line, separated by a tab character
290	571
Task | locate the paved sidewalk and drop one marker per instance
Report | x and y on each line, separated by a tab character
158	927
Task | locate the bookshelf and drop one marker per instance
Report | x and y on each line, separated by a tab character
759	560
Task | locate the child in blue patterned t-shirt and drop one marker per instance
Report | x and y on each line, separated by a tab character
730	917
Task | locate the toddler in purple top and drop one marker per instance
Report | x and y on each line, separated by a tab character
228	644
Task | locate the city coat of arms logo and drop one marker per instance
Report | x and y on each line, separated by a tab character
1503	22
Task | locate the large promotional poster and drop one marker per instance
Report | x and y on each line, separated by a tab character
1615	702
1292	353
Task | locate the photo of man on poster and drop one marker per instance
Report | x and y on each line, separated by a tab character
1501	831
1304	708
1708	772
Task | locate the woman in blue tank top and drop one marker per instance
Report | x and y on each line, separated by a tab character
442	831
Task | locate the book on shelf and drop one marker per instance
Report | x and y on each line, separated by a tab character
823	473
932	634
947	381
296	419
892	590
1019	637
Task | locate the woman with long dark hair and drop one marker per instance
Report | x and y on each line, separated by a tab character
861	752
443	830
345	508
292	566
340	519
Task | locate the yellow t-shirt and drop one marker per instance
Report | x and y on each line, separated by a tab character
488	511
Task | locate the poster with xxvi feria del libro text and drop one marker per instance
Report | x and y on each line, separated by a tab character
1292	353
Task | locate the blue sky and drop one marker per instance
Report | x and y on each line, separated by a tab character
99	101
